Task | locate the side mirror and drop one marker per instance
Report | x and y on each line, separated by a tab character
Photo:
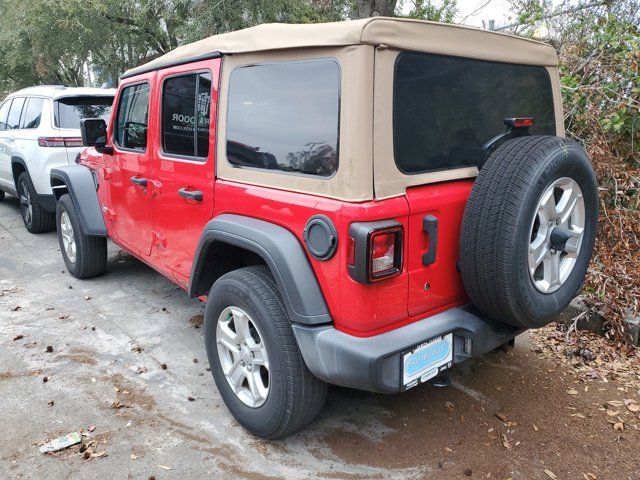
94	132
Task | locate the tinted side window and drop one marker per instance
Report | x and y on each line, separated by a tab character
446	108
132	120
32	113
13	122
285	116
4	112
186	103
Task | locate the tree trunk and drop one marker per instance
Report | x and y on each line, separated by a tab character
374	8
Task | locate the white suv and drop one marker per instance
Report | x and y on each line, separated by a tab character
40	130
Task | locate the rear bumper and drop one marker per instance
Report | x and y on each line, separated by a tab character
373	363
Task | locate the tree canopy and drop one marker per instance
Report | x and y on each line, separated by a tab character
76	42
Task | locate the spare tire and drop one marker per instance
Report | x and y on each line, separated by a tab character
529	229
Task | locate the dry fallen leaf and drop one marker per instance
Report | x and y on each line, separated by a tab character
618	426
134	456
505	442
550	474
164	467
501	416
572	392
534	427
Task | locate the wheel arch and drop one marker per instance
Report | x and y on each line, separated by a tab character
18	165
79	183
231	236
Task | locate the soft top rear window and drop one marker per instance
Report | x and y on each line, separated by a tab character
446	108
69	111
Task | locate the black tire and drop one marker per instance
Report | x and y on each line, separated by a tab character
90	251
36	219
295	395
2	195
497	229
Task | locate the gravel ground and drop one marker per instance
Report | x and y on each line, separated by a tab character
519	415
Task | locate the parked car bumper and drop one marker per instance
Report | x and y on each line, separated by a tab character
373	363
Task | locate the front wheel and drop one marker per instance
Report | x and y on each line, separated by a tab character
84	255
254	356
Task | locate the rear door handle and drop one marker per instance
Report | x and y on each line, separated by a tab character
430	227
142	182
190	194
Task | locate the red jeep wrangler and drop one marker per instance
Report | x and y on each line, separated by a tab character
346	198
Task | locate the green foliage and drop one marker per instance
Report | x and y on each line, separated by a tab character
214	16
436	11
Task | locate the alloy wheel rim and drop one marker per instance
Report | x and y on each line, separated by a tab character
243	356
26	206
68	239
556	233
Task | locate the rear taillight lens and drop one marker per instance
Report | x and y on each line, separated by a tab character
374	250
60	141
385	251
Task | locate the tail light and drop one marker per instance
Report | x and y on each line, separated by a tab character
382	252
60	142
521	122
374	250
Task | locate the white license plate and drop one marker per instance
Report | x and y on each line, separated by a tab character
426	360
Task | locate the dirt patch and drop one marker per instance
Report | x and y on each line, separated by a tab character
530	424
197	321
79	358
8	375
127	394
236	472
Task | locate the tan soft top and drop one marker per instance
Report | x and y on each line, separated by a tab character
398	33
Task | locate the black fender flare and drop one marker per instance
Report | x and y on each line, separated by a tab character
15	159
281	251
81	186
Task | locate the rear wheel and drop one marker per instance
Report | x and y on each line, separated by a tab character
254	356
36	219
84	255
1	195
529	229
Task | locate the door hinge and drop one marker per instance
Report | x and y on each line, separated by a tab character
108	213
154	187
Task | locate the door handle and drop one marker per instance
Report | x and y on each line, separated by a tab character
190	194
430	227
141	182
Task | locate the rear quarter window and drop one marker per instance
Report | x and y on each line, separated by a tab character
69	111
285	116
446	108
32	113
4	113
13	121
